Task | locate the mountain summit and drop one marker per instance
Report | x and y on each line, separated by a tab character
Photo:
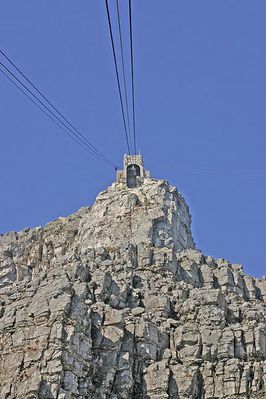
115	302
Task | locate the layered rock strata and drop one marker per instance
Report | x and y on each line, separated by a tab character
115	302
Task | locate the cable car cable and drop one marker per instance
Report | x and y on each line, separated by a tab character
117	74
80	137
47	114
132	74
123	66
54	107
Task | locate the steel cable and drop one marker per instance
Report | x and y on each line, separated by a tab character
78	136
82	137
117	74
132	75
123	68
46	113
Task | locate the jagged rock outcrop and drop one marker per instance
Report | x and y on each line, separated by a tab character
116	302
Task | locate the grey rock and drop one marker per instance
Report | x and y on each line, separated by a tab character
114	301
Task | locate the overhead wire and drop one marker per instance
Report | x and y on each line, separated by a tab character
38	106
117	74
123	66
73	130
94	149
132	75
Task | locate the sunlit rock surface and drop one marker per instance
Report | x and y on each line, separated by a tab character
115	302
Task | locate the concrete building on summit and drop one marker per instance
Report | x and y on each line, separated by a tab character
133	174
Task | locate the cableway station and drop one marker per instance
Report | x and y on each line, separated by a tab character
133	174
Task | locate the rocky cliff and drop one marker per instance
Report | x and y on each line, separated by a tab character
115	302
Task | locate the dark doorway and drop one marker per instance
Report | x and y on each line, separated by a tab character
133	171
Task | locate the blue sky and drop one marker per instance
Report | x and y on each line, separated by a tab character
200	112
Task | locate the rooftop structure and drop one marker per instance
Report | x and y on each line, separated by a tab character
133	174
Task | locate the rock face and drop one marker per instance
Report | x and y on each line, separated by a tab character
115	302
